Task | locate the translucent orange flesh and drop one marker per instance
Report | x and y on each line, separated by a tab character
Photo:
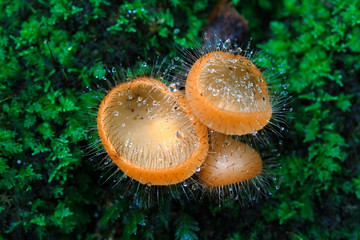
150	132
228	94
229	162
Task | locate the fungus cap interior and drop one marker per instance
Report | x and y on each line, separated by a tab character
146	125
232	82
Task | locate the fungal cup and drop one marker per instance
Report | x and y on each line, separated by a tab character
150	133
228	93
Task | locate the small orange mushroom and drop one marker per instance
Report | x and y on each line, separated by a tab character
150	133
229	162
228	93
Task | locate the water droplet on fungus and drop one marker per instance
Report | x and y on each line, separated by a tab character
116	113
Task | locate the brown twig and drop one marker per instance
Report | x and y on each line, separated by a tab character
55	65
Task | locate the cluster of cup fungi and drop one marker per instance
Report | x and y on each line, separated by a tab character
188	137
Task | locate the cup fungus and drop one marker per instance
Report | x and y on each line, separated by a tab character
229	162
150	133
228	93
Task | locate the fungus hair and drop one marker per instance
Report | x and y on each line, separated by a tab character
233	90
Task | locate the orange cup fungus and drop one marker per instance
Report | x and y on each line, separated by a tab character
150	133
228	93
229	162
